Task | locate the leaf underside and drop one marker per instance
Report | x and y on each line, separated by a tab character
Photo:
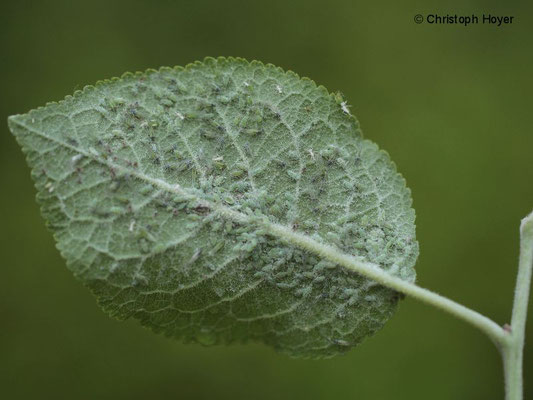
151	184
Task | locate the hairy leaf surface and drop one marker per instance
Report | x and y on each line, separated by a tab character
158	187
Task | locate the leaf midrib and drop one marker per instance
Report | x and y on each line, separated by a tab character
279	231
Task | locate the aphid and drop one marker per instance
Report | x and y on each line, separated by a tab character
293	175
168	168
72	142
114	186
140	280
115	210
238	173
133	112
123	199
217	247
208	134
114	267
50	187
293	155
200	209
253	132
229	200
247	149
304	292
344	107
275	210
280	163
340	342
196	255
279	89
338	97
218	162
75	159
146	189
240	186
228	227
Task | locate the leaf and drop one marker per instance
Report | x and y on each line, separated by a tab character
160	188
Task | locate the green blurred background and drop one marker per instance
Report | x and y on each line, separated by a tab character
452	106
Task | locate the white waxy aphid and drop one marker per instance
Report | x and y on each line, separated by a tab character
49	186
344	107
33	120
140	280
311	154
74	160
180	115
132	225
340	342
197	253
246	84
279	89
218	158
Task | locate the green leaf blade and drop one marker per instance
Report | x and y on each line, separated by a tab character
153	185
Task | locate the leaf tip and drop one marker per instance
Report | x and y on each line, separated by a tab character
12	122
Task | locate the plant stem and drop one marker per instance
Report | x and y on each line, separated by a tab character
513	348
508	339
